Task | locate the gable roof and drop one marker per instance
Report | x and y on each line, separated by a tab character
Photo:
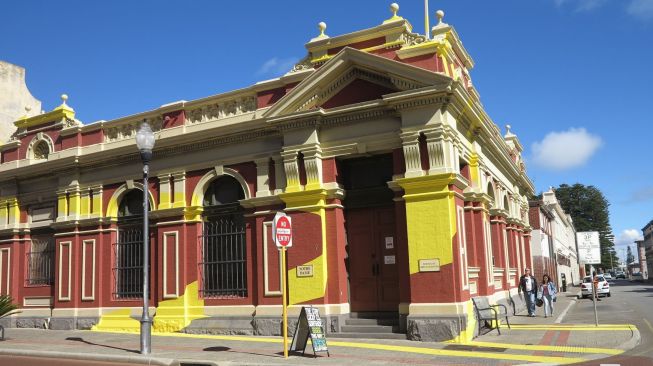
348	65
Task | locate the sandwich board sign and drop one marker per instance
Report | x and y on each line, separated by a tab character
589	247
309	326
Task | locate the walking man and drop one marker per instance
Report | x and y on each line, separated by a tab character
528	286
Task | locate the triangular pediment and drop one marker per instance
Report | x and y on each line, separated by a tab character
349	69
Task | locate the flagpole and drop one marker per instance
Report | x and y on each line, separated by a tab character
427	31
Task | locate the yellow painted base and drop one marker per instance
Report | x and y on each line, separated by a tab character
171	315
175	315
118	321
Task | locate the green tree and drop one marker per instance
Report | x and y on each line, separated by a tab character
630	258
588	208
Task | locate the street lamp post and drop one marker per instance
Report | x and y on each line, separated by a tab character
145	144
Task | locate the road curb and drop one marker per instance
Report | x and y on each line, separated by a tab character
141	360
632	342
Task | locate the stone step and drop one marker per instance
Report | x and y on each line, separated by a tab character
367	329
368	335
361	321
374	315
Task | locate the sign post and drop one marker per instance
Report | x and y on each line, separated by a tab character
589	252
282	234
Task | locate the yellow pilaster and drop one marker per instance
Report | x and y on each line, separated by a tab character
13	211
97	201
179	184
474	170
74	202
164	192
62	206
302	289
85	202
4	214
430	218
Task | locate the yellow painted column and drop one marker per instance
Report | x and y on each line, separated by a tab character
74	203
165	201
85	203
430	218
13	211
4	214
62	206
302	289
179	184
97	201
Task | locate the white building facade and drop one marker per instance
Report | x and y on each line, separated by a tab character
563	232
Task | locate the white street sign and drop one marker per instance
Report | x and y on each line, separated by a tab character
589	247
282	230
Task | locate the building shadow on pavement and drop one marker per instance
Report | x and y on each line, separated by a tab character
82	340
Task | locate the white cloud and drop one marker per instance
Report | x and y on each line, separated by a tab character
628	237
642	9
276	66
581	5
565	150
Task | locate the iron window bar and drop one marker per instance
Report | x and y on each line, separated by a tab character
40	262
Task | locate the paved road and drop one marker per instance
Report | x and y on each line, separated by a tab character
631	303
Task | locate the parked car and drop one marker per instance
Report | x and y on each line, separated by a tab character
602	288
637	276
607	276
620	274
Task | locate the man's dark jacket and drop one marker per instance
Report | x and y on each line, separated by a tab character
522	284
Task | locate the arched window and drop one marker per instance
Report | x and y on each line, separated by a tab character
224	257
128	250
490	192
41	150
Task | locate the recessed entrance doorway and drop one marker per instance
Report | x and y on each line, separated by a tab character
371	236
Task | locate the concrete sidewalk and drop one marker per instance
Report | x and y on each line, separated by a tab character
531	340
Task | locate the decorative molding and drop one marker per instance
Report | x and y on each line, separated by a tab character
68	244
85	297
127	129
5	271
266	269
222	109
166	294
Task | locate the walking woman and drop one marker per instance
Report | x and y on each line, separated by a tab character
548	294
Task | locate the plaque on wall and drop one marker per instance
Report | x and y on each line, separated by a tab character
305	271
429	265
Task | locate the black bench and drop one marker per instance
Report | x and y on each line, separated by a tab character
485	312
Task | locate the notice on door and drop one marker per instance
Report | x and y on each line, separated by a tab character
429	265
389	259
389	242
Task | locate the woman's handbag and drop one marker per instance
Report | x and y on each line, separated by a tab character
539	302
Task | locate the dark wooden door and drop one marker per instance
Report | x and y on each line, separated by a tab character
373	277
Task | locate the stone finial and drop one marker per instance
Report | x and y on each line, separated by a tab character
64	98
322	26
27	109
440	15
507	129
394	8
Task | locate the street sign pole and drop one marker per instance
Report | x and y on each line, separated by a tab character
284	302
282	233
589	251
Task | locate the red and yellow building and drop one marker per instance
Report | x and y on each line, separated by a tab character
404	195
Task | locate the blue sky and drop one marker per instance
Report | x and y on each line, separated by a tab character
572	77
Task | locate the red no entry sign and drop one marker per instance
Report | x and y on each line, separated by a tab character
282	230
